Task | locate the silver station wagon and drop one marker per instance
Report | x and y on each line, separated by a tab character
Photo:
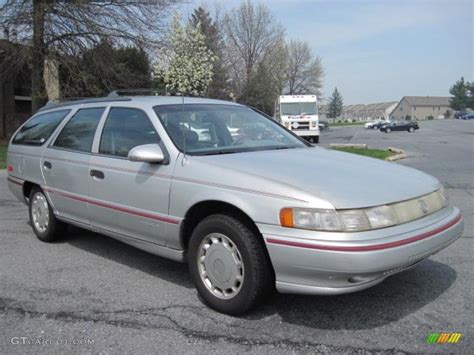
249	205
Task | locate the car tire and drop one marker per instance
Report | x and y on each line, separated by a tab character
411	129
229	264
388	130
315	139
45	225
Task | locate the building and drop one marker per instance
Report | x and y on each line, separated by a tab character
15	92
15	87
422	108
362	112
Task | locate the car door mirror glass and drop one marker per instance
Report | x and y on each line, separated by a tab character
148	153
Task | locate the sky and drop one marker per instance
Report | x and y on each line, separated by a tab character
375	51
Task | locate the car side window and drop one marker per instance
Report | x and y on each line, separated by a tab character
78	133
38	129
126	128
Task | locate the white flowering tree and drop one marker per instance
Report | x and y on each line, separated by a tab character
187	65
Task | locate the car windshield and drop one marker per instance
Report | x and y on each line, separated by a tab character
206	129
298	108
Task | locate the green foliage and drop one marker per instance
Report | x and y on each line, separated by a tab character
187	62
3	156
257	93
407	118
265	83
104	68
430	117
463	95
335	104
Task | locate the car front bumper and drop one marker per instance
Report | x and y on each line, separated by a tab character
324	263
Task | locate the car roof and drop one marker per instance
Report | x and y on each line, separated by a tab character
151	100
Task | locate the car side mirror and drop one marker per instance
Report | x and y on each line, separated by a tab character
147	153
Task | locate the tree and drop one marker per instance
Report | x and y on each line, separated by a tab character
188	62
60	30
460	92
201	19
250	32
304	72
104	68
335	104
470	89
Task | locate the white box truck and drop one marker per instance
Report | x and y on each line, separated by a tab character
299	113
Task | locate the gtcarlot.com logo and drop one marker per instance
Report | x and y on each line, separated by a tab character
50	341
442	338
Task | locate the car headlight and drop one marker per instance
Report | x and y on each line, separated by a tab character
363	219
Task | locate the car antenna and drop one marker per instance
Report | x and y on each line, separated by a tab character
184	131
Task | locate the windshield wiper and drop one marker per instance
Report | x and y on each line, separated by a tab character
285	147
217	152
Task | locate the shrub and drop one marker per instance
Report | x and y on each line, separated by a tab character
430	117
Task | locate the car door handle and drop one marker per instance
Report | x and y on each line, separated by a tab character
97	174
47	165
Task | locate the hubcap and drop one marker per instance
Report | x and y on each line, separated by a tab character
220	266
40	212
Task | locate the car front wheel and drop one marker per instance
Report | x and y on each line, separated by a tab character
388	130
229	265
411	129
45	225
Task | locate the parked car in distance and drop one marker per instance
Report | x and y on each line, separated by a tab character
460	114
370	125
323	125
409	126
246	211
469	116
380	123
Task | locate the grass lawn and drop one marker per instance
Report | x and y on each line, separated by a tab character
3	156
374	153
339	124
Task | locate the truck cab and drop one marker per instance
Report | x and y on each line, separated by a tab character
299	114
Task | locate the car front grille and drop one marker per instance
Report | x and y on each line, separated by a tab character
302	126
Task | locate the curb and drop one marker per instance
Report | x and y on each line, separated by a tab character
400	154
348	145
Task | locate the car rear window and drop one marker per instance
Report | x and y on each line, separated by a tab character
78	133
38	129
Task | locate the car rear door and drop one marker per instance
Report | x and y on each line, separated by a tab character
65	165
130	198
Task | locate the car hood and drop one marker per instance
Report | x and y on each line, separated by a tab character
345	180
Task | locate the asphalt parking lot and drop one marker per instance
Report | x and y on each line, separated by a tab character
113	298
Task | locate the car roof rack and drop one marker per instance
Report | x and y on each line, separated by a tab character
78	100
148	92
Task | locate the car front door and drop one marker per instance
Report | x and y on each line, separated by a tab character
399	127
65	165
129	198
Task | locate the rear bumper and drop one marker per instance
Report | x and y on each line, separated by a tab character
335	263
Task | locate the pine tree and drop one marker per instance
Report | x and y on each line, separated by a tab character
335	104
210	30
460	92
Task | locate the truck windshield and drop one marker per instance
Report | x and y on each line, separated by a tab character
206	129
298	108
